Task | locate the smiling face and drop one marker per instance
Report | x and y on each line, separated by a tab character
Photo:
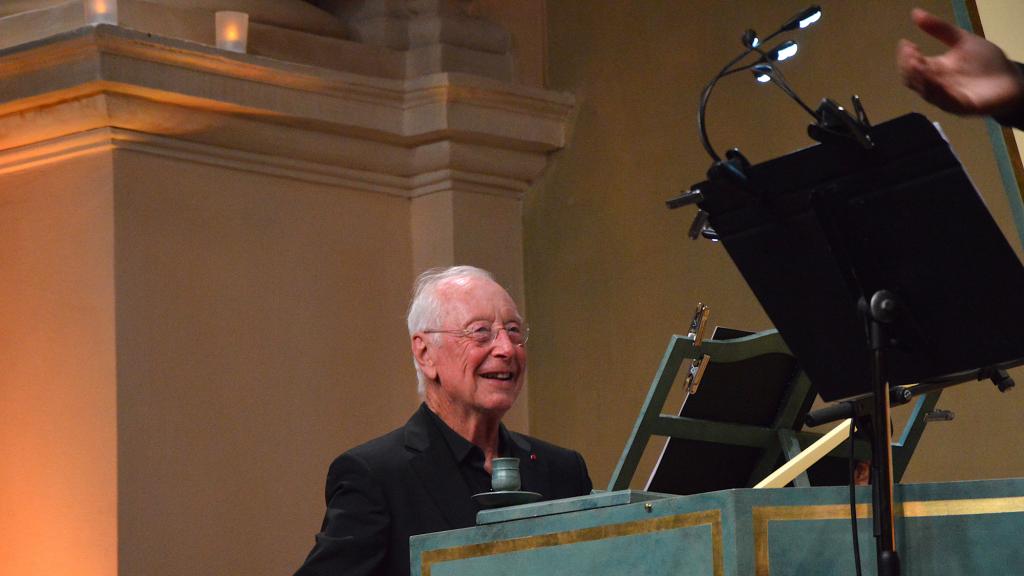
466	377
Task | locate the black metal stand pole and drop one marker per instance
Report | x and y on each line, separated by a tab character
878	315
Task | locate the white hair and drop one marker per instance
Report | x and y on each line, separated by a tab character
426	310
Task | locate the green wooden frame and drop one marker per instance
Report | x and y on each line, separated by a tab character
782	437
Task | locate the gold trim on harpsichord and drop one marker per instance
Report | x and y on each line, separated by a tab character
926	508
762	516
710	518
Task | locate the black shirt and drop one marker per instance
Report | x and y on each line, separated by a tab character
469	457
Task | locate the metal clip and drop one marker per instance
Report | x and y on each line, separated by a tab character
699	224
699	323
696	373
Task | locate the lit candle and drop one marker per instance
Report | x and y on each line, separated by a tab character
232	30
100	11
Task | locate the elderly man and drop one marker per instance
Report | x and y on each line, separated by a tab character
468	342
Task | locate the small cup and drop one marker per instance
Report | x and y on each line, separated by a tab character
505	475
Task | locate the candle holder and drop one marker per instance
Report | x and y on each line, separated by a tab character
232	30
505	474
100	11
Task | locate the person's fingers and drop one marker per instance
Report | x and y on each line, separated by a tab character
918	74
910	63
936	27
907	55
926	81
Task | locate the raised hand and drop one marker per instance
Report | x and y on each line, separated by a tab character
973	77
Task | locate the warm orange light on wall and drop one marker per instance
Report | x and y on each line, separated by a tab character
232	30
58	381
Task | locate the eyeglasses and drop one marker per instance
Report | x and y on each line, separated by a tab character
484	334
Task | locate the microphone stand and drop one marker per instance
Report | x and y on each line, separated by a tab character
878	315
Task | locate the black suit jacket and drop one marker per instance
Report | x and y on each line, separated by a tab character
407	482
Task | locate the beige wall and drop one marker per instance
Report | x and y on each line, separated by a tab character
610	274
260	330
185	348
58	435
1000	21
525	22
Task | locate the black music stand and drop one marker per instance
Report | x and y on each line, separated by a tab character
879	266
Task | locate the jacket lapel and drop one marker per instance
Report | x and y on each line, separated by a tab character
434	465
532	470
